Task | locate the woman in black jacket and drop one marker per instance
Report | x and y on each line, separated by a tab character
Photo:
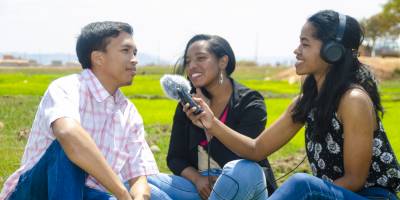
196	158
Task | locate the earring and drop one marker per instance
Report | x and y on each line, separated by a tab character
221	78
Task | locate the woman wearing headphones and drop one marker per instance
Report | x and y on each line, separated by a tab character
349	153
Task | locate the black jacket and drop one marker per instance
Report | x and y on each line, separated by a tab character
246	115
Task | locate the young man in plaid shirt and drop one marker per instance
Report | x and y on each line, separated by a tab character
87	137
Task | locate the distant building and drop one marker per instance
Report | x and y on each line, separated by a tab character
8	57
56	63
33	62
388	47
11	61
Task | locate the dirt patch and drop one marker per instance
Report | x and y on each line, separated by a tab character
383	68
23	134
288	164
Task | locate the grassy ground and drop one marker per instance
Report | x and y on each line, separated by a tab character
21	90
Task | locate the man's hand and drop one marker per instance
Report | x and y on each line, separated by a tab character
82	151
124	196
142	198
140	189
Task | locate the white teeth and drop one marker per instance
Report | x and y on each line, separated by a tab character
298	62
196	75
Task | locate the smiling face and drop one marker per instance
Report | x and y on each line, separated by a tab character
116	66
203	67
307	53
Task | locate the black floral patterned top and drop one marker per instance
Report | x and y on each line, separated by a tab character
325	154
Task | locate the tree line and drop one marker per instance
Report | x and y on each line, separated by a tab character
385	24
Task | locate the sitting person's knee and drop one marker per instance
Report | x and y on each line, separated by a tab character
300	179
243	168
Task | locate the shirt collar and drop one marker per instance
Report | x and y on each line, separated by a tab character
97	89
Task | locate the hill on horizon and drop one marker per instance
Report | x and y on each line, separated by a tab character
47	58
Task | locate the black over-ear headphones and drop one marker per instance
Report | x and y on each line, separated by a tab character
333	51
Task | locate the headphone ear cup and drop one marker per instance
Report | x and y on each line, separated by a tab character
332	52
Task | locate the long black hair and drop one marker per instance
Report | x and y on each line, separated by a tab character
217	46
341	75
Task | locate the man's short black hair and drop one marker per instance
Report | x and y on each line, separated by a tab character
95	37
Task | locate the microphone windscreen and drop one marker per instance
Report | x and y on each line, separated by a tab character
171	83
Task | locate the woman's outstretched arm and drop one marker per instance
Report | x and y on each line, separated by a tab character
270	140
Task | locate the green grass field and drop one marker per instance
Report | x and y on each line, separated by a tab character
21	91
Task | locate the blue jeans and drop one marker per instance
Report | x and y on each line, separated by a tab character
55	177
240	180
299	186
305	186
172	187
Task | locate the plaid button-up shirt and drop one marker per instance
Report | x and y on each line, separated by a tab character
113	122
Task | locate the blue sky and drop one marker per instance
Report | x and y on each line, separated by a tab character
256	29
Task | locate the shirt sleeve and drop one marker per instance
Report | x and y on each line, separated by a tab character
61	100
141	160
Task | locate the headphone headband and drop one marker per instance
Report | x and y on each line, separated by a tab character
341	27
